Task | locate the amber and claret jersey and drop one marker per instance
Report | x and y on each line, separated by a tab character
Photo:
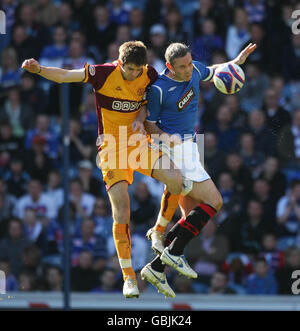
118	101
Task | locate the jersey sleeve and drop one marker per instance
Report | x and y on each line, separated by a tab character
96	74
154	98
206	73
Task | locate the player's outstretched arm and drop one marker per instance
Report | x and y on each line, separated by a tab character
241	58
55	74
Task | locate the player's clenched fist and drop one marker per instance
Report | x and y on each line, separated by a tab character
32	66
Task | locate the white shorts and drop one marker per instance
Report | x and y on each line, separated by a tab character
186	158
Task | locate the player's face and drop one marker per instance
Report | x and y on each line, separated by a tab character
183	68
131	71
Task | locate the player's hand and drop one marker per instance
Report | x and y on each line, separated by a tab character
138	126
242	57
31	65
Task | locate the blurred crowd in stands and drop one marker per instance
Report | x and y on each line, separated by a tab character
252	144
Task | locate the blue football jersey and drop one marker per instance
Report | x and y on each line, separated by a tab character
173	105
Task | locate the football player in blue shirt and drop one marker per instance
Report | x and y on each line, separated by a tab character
172	110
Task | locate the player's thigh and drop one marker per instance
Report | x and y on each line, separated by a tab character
120	203
207	192
187	204
165	171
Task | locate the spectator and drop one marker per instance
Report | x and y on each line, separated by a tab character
42	129
55	232
26	282
108	282
237	33
118	12
143	210
255	10
214	157
80	145
32	94
262	192
245	230
290	59
13	244
273	175
31	259
284	275
37	201
264	50
155	61
89	122
112	55
288	213
274	257
65	17
85	174
136	23
276	116
54	54
123	34
102	218
23	43
53	279
183	285
7	203
252	93
252	159
232	202
10	145
37	162
237	267
239	116
16	112
39	33
265	139
206	43
11	283
9	72
174	26
226	134
87	240
288	142
219	284
54	189
240	174
103	31
84	202
158	39
33	227
46	12
262	281
207	252
84	271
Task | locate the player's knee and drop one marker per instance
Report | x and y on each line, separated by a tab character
218	202
121	213
174	182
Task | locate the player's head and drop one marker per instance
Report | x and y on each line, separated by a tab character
179	61
132	58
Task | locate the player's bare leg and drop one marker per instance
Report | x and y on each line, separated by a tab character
119	198
169	204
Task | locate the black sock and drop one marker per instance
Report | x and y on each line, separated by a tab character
191	227
156	263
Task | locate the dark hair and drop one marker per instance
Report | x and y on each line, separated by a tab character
134	52
176	50
294	183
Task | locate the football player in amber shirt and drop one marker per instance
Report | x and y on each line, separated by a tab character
119	93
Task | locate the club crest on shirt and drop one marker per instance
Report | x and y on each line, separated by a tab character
92	70
185	99
140	91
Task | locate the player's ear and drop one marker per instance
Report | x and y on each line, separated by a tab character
169	66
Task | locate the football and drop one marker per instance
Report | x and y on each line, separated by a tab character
229	78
